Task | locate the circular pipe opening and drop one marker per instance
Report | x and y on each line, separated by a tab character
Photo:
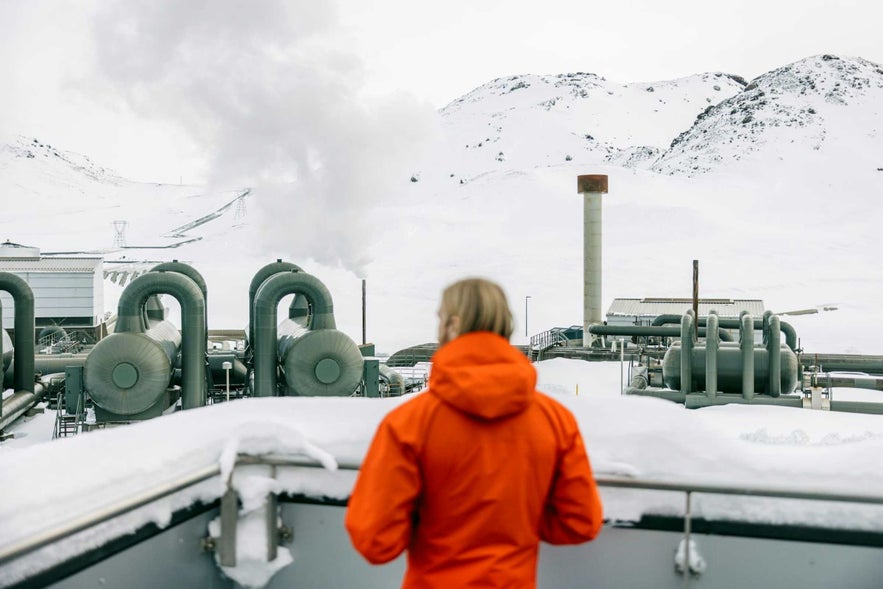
327	371
124	375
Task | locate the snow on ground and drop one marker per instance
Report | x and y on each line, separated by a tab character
625	436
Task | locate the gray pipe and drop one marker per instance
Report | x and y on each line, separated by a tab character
193	327
266	302
16	405
646	330
256	282
8	348
746	344
711	347
687	330
774	349
190	272
787	328
23	361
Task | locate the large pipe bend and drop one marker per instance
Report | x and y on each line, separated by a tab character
256	282
265	321
23	361
193	327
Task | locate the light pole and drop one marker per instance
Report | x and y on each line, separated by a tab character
525	314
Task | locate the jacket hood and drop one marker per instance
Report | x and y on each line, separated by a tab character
482	374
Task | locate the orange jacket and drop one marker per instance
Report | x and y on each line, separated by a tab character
470	475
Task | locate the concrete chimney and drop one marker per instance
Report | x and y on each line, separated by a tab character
591	186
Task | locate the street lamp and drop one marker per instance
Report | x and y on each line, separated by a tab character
525	314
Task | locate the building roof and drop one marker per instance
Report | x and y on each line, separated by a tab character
653	307
52	264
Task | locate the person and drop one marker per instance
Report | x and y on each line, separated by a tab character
471	474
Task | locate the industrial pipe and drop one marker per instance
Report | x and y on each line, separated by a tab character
23	298
645	330
711	348
687	330
16	405
774	348
256	282
321	355
746	344
193	329
786	328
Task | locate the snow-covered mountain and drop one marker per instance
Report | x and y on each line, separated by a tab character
773	185
819	103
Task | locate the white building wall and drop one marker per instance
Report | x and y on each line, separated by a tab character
60	294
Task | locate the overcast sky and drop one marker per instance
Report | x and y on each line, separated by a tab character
167	90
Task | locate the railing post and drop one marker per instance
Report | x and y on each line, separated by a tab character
687	526
271	522
229	517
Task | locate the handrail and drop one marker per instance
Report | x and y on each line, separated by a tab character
39	540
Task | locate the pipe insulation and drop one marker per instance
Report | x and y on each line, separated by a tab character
711	351
687	331
746	345
316	363
260	276
23	299
130	370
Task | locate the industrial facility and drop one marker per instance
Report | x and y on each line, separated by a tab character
106	371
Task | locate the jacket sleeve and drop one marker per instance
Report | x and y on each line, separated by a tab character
573	512
382	507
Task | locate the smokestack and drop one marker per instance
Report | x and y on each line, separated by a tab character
591	187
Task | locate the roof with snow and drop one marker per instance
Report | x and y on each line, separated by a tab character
653	307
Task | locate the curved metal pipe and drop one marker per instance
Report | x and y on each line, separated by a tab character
687	330
746	344
193	328
256	282
786	328
23	361
266	302
774	349
711	347
191	273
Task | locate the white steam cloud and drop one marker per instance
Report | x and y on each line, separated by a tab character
275	105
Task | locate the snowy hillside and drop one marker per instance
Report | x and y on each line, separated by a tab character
528	121
822	103
494	194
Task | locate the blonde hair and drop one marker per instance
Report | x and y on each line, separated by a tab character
480	304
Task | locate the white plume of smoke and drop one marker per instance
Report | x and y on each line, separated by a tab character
275	105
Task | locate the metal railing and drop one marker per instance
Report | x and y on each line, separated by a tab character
226	548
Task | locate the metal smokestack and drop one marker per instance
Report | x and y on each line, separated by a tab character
591	186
